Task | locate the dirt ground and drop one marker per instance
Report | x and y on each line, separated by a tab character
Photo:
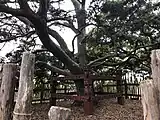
107	109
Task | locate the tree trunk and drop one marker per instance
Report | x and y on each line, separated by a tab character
150	90
7	92
22	109
81	21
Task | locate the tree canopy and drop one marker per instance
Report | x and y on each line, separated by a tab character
125	33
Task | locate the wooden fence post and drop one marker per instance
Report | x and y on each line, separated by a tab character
42	92
7	92
126	87
120	87
22	110
150	90
149	100
88	93
53	92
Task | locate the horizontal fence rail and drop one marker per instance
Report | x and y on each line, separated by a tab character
103	85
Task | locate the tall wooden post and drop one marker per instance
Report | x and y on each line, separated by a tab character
42	92
119	87
149	100
22	110
150	90
126	87
88	93
53	92
7	92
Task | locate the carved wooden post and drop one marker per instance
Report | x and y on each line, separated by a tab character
22	110
150	90
88	93
7	92
120	88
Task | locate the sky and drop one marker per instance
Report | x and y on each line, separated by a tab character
67	34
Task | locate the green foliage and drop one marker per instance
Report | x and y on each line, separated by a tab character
126	31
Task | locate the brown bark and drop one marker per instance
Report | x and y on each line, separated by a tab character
22	110
7	92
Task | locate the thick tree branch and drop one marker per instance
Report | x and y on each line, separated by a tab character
113	55
42	32
18	36
101	59
23	4
44	5
83	2
65	24
25	21
6	1
54	69
111	64
59	39
14	12
76	4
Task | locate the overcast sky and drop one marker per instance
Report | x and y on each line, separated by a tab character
67	34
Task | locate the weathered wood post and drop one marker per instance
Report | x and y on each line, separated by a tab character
22	110
41	92
149	100
53	92
126	87
150	90
88	93
120	98
7	91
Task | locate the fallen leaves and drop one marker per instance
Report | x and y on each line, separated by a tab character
106	109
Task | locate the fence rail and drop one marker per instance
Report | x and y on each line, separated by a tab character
131	92
102	85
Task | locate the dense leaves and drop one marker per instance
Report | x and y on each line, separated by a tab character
126	32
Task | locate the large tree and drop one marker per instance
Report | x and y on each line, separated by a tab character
34	19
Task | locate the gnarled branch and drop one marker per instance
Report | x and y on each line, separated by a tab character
54	69
76	4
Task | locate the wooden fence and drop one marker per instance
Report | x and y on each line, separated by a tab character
63	87
130	85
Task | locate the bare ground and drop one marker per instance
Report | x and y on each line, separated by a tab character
107	109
